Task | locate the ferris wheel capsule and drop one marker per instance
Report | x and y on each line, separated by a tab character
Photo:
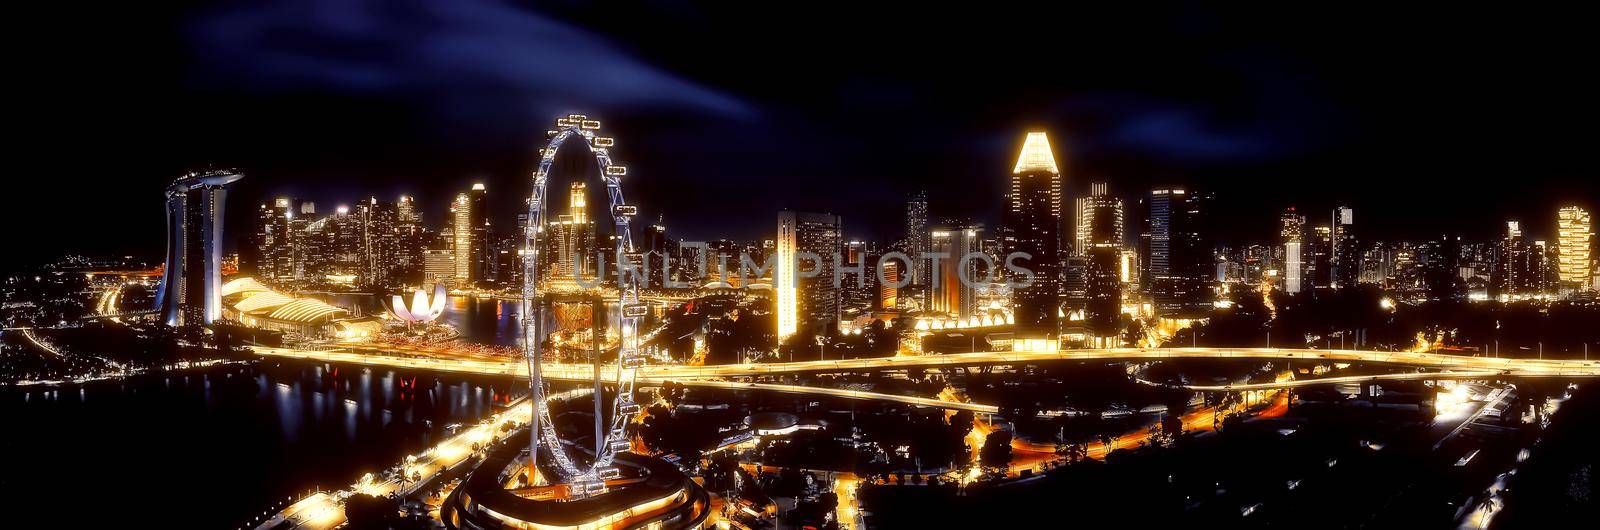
616	171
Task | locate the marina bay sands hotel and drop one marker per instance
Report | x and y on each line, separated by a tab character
191	277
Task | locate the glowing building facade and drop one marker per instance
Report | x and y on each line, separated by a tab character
1574	245
1292	231
1098	243
191	278
1344	257
1032	225
806	300
1180	268
461	236
917	235
949	293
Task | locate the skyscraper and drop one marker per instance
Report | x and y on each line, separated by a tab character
1574	243
888	294
948	293
461	239
1345	258
481	262
805	304
191	277
1510	277
1098	242
409	241
1032	225
1180	264
1292	231
917	236
570	238
275	240
1097	220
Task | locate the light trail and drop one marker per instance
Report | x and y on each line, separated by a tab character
584	373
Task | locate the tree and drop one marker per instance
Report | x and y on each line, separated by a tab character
996	449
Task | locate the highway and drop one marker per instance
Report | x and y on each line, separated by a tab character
1461	367
583	373
1538	367
1297	383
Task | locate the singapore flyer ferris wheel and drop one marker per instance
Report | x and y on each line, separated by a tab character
582	480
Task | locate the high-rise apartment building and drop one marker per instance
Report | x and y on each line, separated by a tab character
806	303
1574	245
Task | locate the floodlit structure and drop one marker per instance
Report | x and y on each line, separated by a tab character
806	298
191	278
582	481
1575	241
1032	225
952	283
1292	229
255	305
423	309
612	488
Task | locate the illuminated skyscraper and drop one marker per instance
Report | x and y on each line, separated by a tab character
382	257
888	294
1032	225
806	303
1345	259
461	235
1510	278
1097	219
1098	242
1574	242
275	240
1292	231
570	239
917	235
409	265
191	278
578	202
949	293
1181	264
1318	256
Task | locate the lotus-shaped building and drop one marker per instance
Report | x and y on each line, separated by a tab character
422	310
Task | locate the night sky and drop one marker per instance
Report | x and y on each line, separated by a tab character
1423	119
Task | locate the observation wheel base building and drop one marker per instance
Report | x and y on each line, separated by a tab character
650	493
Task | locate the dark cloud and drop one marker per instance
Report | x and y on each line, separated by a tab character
453	56
1421	119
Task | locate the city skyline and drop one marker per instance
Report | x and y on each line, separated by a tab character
706	129
477	265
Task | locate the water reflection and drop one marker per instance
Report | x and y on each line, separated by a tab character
229	442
